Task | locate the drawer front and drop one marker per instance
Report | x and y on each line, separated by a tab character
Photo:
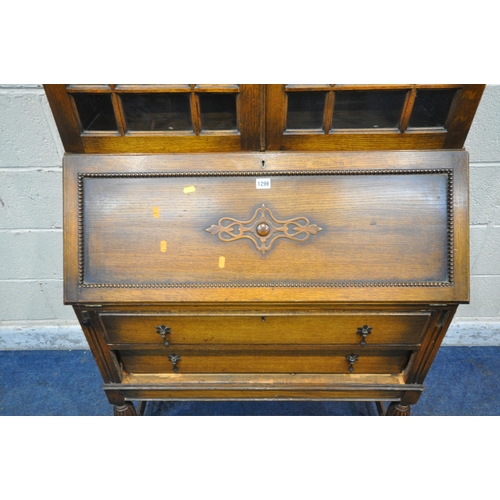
186	360
349	328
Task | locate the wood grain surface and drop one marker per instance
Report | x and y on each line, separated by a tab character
287	327
394	221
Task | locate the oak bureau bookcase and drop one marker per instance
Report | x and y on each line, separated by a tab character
276	242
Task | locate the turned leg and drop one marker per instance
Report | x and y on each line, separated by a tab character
398	410
121	407
402	407
125	410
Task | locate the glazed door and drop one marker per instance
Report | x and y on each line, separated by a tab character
158	118
191	118
328	117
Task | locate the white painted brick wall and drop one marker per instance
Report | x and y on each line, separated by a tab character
32	253
482	316
483	141
30	198
28	136
32	314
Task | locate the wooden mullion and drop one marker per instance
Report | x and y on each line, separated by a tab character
238	105
119	113
263	111
195	113
407	110
249	109
328	114
275	116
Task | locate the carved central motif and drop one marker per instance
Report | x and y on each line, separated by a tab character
263	229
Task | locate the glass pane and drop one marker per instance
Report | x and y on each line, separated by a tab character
368	109
431	108
147	112
218	111
305	110
96	111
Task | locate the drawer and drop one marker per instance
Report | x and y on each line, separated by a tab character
264	329
306	360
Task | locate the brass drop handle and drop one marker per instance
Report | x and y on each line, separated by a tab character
174	359
164	331
364	331
351	359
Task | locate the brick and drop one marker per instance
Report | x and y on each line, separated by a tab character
477	238
485	195
483	141
30	199
33	300
488	260
28	136
21	86
485	299
31	255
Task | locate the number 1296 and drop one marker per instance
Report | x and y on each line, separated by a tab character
263	183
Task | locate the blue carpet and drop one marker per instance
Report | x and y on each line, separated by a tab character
462	381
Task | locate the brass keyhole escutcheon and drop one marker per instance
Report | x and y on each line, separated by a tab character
263	229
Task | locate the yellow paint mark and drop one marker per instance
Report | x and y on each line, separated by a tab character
189	189
163	246
156	212
222	262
